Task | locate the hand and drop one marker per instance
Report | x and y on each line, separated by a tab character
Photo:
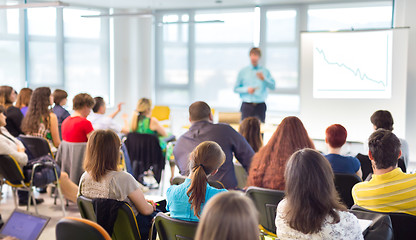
20	149
119	106
251	90
260	75
125	116
152	203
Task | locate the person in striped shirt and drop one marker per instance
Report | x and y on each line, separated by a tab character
390	190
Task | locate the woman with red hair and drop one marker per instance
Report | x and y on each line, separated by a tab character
336	137
268	165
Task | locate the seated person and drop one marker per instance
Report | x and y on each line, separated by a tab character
389	190
60	99
23	99
250	129
336	137
102	179
202	129
229	215
304	213
384	119
187	200
14	116
99	120
76	128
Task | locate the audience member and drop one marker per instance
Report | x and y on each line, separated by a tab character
389	190
60	99
384	119
76	128
187	200
40	121
250	130
202	129
99	120
311	208
336	137
23	99
229	215
269	163
14	116
102	179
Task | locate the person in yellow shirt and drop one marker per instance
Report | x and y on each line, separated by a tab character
390	190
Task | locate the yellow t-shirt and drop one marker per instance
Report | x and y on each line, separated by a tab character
394	191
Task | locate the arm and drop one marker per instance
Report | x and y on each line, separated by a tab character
18	153
140	203
268	80
114	114
359	173
54	130
242	150
88	128
239	87
155	126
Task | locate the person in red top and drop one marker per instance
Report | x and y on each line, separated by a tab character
77	128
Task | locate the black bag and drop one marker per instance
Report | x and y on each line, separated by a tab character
44	174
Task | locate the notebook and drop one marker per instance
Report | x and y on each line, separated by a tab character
24	225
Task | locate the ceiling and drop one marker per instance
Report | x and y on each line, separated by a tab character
179	4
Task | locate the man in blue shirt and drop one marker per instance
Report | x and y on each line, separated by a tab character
252	84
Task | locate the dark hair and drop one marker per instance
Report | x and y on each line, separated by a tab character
23	99
250	130
5	92
309	177
382	119
102	153
59	95
82	100
199	111
255	51
38	111
385	148
99	101
268	164
336	135
204	159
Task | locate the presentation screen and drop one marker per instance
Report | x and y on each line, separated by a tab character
352	64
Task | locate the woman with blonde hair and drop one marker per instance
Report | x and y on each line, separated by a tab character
250	129
103	179
187	200
23	99
229	215
311	208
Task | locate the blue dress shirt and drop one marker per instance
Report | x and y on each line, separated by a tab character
247	78
178	201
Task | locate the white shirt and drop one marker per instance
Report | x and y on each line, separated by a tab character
8	146
101	121
348	228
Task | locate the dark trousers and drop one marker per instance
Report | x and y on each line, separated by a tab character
253	110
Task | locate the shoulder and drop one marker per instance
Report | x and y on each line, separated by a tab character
154	120
53	116
123	176
211	191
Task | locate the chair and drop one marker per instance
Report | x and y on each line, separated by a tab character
344	183
162	113
403	224
70	228
174	229
266	201
181	179
36	146
229	117
380	228
366	167
240	174
86	208
70	157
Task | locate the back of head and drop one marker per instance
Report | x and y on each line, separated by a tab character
228	215
308	177
250	130
204	159
336	135
5	92
385	148
59	95
199	111
382	119
144	105
38	110
23	99
289	137
102	153
99	101
82	100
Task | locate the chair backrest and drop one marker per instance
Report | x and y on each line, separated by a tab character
10	170
181	179
70	157
174	229
70	228
266	201
344	183
126	226
380	228
86	208
177	180
403	224
37	146
161	113
366	167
